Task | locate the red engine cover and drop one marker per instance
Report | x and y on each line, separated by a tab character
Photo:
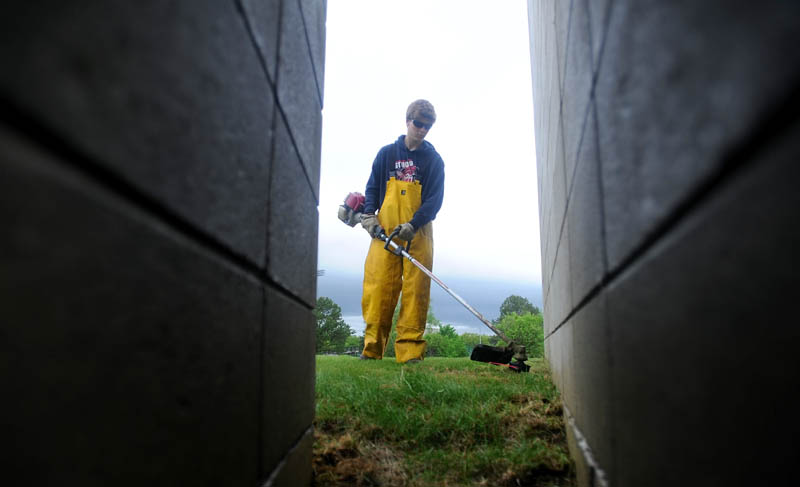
354	201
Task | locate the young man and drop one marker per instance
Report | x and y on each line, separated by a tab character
406	188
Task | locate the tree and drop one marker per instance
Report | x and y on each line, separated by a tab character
517	304
354	342
448	330
332	331
526	329
445	343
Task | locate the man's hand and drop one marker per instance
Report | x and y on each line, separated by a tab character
406	231
371	225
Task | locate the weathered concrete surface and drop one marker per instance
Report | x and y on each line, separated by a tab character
667	160
159	182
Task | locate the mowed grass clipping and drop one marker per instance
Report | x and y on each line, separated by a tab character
445	421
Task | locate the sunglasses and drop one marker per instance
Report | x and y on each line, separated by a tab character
419	125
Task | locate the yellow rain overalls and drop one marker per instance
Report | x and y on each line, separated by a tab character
387	275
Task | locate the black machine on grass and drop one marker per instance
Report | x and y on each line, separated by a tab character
512	355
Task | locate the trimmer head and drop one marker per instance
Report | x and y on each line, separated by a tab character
489	354
512	356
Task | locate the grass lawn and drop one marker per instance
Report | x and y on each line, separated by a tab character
445	421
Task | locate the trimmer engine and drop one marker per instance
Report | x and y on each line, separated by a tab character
350	211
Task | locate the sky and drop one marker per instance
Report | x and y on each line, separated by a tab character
471	60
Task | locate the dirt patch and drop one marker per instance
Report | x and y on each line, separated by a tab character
534	416
541	477
340	460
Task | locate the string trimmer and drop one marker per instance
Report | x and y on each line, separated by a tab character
512	356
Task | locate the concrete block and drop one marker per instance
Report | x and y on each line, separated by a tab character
557	213
297	92
585	216
314	12
583	470
294	469
563	9
560	360
577	84
547	351
130	356
540	187
546	230
263	21
547	108
544	73
592	409
598	23
288	377
169	98
569	394
548	176
555	358
704	337
542	255
548	324
293	222
678	91
560	297
545	301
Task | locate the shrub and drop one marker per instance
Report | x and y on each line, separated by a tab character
441	345
526	329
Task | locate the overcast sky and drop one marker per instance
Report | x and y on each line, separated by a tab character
471	60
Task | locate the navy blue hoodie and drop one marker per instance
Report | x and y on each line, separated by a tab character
423	165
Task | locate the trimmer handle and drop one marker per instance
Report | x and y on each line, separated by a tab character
398	250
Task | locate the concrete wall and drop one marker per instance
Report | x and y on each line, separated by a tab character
159	180
668	153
